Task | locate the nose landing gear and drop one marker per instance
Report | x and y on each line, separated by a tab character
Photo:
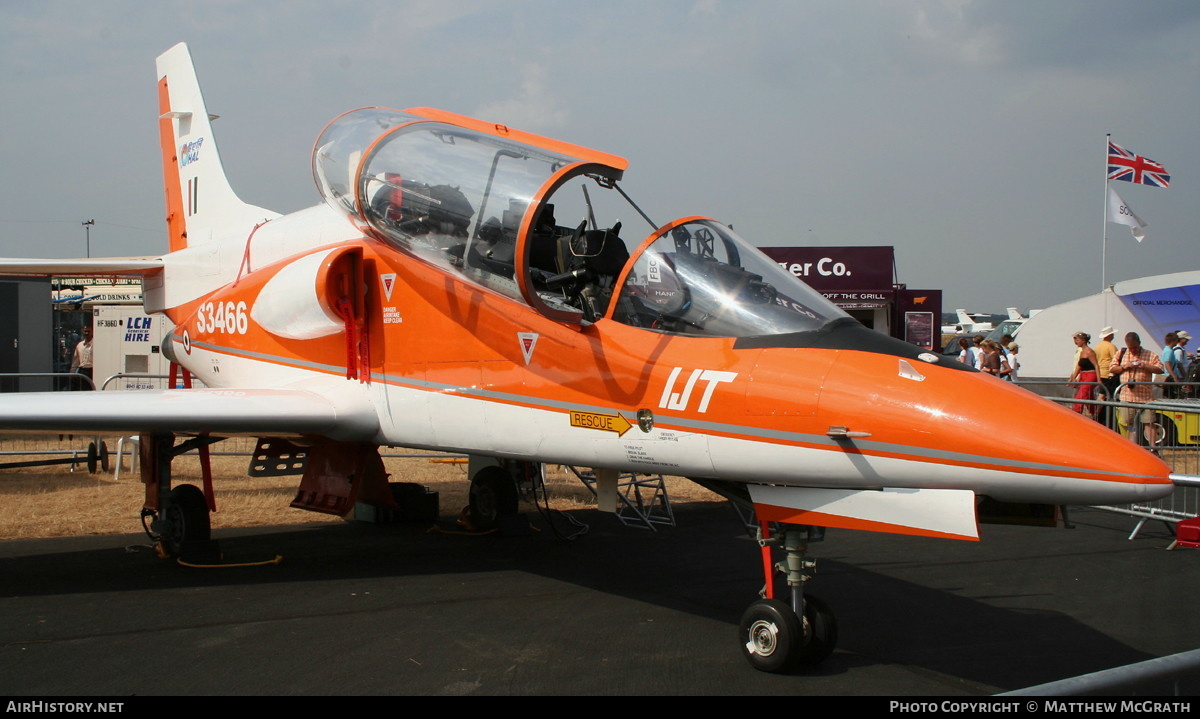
778	636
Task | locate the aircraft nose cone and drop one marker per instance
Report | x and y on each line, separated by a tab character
975	431
1066	457
1129	473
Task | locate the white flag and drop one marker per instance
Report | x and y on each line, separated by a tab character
1120	213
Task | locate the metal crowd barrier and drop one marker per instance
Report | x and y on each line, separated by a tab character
97	452
61	380
70	377
1171	431
133	443
1155	677
143	376
82	379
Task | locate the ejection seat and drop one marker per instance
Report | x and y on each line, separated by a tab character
415	208
496	245
588	264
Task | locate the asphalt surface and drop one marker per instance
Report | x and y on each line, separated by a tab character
356	609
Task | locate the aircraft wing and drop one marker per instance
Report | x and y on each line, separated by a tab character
261	412
88	267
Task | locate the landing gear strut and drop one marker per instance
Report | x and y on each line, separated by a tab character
775	635
178	516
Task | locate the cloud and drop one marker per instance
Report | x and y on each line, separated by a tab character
944	33
916	124
534	107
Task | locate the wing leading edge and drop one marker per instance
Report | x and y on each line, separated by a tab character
103	266
262	412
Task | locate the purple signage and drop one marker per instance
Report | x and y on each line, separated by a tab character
851	270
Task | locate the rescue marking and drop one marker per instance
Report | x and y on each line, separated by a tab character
603	422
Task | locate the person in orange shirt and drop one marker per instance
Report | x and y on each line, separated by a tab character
1136	367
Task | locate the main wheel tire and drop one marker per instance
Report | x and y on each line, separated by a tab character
493	497
821	631
771	635
185	515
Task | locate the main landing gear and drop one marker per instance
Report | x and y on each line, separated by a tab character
183	520
495	495
776	635
179	521
493	498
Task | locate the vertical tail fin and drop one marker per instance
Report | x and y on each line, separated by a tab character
200	202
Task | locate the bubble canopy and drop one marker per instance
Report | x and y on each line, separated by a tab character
482	201
697	277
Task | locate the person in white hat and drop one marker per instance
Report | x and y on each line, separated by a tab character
1189	388
1106	352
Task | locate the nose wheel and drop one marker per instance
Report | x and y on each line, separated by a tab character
777	636
772	634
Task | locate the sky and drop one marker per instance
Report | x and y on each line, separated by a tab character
968	134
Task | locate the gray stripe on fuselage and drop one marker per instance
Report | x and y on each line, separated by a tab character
819	440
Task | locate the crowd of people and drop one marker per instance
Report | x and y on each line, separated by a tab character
1127	374
998	359
1102	372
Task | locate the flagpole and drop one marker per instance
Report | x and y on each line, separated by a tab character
1104	235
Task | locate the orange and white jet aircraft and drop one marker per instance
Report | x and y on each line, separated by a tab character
465	286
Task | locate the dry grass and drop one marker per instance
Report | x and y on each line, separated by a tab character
52	501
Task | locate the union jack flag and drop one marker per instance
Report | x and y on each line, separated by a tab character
1124	165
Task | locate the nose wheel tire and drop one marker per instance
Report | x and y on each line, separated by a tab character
770	634
822	632
774	640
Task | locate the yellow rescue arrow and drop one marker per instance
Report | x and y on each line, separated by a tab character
603	422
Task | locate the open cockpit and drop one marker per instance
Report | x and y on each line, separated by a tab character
537	220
